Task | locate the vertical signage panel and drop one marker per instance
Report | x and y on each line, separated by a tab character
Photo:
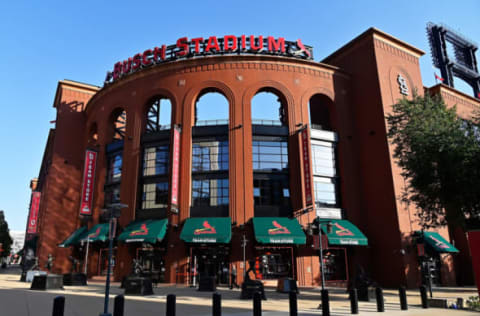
306	167
33	215
88	182
175	167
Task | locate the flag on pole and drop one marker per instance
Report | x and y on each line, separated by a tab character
438	77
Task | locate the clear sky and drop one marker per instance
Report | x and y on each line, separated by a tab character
42	42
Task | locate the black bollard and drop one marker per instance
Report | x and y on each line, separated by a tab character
217	305
118	305
293	303
354	301
171	298
380	302
459	303
402	292
325	303
58	306
257	304
423	295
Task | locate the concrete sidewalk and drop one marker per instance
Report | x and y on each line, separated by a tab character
16	298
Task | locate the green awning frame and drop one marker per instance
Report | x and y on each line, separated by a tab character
74	238
207	230
343	233
278	230
97	233
147	231
437	242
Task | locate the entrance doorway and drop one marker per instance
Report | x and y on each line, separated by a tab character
103	261
152	263
210	262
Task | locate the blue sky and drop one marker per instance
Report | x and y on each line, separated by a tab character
42	42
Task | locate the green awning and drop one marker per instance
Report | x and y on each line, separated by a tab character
148	231
438	242
207	230
278	230
343	233
74	238
98	232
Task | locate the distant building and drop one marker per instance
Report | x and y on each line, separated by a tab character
18	238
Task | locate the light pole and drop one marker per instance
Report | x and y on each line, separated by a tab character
325	301
320	243
113	212
86	256
244	246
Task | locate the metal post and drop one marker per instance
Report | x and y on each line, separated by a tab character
217	305
118	306
171	300
423	295
380	301
257	304
194	281
321	253
109	265
325	303
354	301
244	245
58	306
293	303
403	298
86	255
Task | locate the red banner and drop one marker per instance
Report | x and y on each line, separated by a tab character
306	167
33	216
175	166
88	182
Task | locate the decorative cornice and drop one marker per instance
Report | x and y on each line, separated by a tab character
379	43
446	95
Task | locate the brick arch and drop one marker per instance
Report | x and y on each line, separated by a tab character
270	86
204	87
147	101
92	136
329	94
117	110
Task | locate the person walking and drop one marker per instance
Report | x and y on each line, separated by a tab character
233	277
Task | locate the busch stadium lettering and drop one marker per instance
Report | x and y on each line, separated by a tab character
200	47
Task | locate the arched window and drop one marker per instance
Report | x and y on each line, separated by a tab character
159	115
119	126
319	111
114	152
268	109
271	185
211	108
93	135
154	179
210	183
323	141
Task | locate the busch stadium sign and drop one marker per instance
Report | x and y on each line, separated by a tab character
213	45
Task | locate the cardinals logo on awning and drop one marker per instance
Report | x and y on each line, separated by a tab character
207	229
140	232
440	244
95	234
278	230
342	231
